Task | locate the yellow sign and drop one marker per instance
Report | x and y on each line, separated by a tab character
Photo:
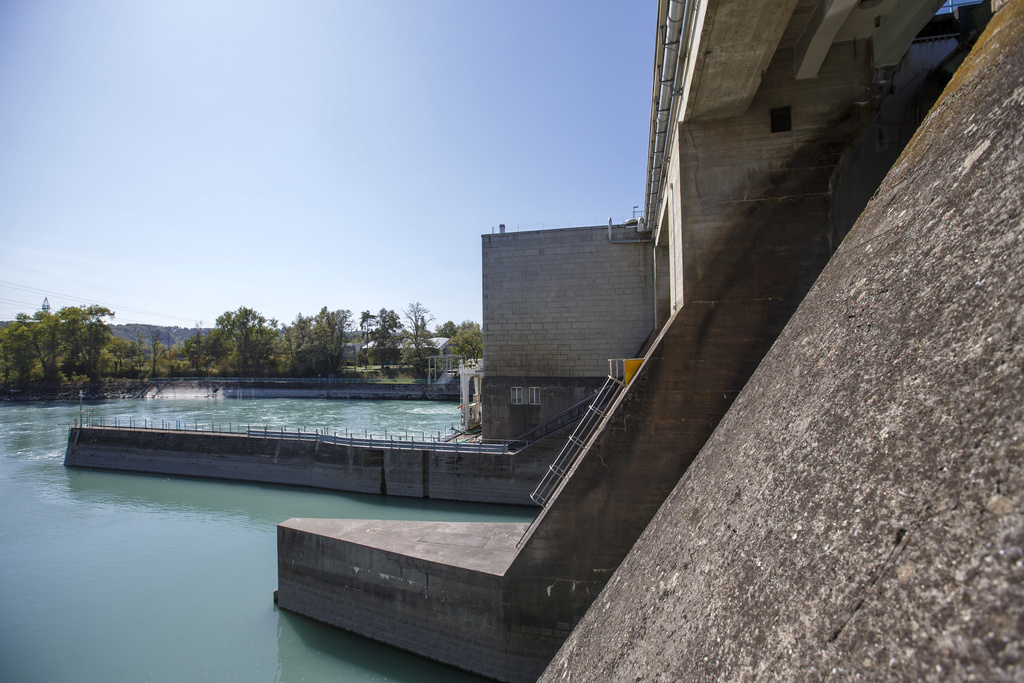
630	366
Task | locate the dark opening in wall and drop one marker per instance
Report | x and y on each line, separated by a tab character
782	119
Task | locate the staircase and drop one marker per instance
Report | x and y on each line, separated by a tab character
576	444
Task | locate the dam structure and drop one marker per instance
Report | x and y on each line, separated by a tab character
396	466
855	508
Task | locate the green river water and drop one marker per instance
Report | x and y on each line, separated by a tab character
123	577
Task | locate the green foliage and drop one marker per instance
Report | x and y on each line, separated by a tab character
252	337
386	337
447	330
316	344
16	355
468	342
48	345
120	354
419	345
78	341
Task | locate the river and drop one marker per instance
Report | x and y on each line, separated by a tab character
124	577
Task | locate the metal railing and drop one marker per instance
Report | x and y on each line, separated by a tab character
294	380
577	443
393	441
950	5
551	425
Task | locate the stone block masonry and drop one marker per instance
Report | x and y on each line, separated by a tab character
562	302
557	305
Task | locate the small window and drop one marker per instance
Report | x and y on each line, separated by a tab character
534	396
781	119
517	396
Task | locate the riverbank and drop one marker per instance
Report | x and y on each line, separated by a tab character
213	388
275	388
90	391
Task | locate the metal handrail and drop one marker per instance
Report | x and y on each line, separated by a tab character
551	425
294	380
368	440
577	443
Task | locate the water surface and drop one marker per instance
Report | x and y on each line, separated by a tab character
110	576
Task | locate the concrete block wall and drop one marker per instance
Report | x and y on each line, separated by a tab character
483	478
557	305
504	420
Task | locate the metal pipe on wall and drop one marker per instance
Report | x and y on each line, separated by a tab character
676	39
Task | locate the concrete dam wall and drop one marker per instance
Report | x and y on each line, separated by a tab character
859	512
393	467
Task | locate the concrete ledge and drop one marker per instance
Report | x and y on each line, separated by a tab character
473	477
431	588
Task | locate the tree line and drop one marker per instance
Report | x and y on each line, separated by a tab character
76	344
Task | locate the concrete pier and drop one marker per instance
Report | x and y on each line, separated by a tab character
416	583
393	467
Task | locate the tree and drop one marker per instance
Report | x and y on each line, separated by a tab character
16	353
420	346
139	353
297	345
330	329
253	337
216	350
155	350
367	321
387	338
447	330
316	344
84	336
192	349
45	341
121	352
468	342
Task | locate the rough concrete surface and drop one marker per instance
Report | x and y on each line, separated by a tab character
859	513
486	547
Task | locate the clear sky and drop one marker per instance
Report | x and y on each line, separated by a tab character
174	159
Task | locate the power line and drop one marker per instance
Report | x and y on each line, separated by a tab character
48	293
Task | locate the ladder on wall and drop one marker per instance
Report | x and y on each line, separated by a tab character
619	375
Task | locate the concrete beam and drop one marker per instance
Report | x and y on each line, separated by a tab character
817	38
737	41
899	28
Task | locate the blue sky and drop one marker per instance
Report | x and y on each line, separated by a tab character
177	159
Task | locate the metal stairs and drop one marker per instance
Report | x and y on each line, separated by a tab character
577	443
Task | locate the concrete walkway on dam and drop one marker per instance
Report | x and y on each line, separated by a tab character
420	469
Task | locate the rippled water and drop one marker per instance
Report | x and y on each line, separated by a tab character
123	577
